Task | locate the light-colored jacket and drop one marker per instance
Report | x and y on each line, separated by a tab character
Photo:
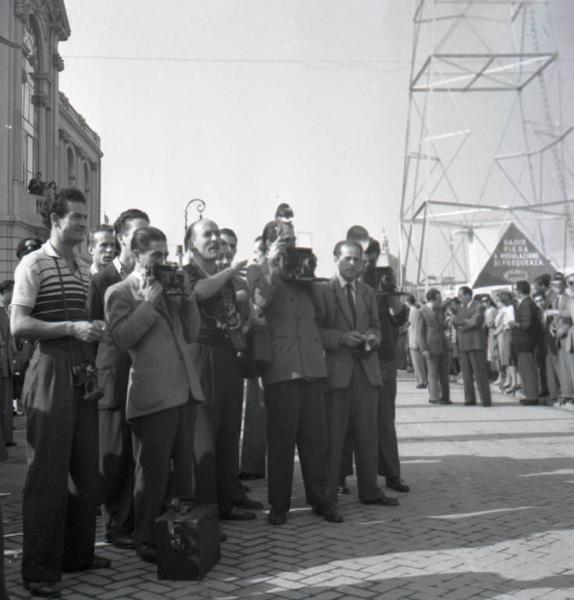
162	375
430	331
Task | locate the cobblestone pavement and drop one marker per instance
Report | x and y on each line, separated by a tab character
490	515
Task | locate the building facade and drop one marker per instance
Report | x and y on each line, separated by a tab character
41	131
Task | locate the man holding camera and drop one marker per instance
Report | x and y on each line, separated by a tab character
293	383
155	325
61	492
215	353
350	332
113	368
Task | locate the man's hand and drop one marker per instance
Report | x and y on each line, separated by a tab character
151	291
351	339
85	331
371	340
240	268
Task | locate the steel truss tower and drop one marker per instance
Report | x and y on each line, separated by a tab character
485	141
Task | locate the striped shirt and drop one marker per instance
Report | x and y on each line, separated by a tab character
44	283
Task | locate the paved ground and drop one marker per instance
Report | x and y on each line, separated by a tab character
490	515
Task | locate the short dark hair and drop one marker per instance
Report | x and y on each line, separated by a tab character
128	215
523	287
144	236
411	299
433	294
465	290
6	286
284	210
58	205
543	279
27	245
102	228
374	247
357	232
351	243
228	232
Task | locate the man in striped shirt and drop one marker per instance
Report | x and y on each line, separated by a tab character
61	492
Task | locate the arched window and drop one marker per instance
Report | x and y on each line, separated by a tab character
71	162
86	180
29	120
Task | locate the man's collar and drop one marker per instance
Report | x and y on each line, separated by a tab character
344	283
93	269
49	250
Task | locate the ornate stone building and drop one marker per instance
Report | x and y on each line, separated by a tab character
39	128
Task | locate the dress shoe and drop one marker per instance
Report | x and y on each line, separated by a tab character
528	402
343	489
43	589
277	517
397	484
470	403
384	501
11	444
421	386
124	542
431	401
98	562
249	504
329	513
147	553
237	514
444	402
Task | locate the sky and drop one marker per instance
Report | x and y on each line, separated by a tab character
248	104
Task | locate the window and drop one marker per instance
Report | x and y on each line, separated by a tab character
86	180
71	168
29	120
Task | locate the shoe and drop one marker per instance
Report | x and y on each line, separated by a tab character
329	513
420	386
11	444
486	403
433	401
397	484
146	552
123	542
43	589
98	562
277	517
251	476
470	403
527	402
343	489
249	504
444	402
384	501
237	514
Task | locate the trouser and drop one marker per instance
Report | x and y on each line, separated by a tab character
254	435
566	374
117	472
438	369
419	366
540	358
163	453
474	367
218	425
7	408
389	465
528	370
296	416
3	594
553	375
352	411
61	491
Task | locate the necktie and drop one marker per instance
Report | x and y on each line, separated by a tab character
351	301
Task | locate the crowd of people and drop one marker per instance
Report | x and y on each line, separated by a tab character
135	374
519	340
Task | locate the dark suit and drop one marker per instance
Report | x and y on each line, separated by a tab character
471	337
116	453
294	392
353	383
431	338
526	337
163	390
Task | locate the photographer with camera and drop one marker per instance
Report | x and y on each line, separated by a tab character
293	381
350	332
216	357
61	492
155	325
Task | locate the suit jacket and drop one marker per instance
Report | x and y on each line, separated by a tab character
527	334
430	331
469	323
112	365
414	317
162	375
288	308
334	319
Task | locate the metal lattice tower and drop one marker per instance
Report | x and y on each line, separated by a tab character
485	141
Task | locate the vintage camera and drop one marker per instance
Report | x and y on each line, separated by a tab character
170	277
298	264
387	284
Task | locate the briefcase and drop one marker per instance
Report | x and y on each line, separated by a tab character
188	540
